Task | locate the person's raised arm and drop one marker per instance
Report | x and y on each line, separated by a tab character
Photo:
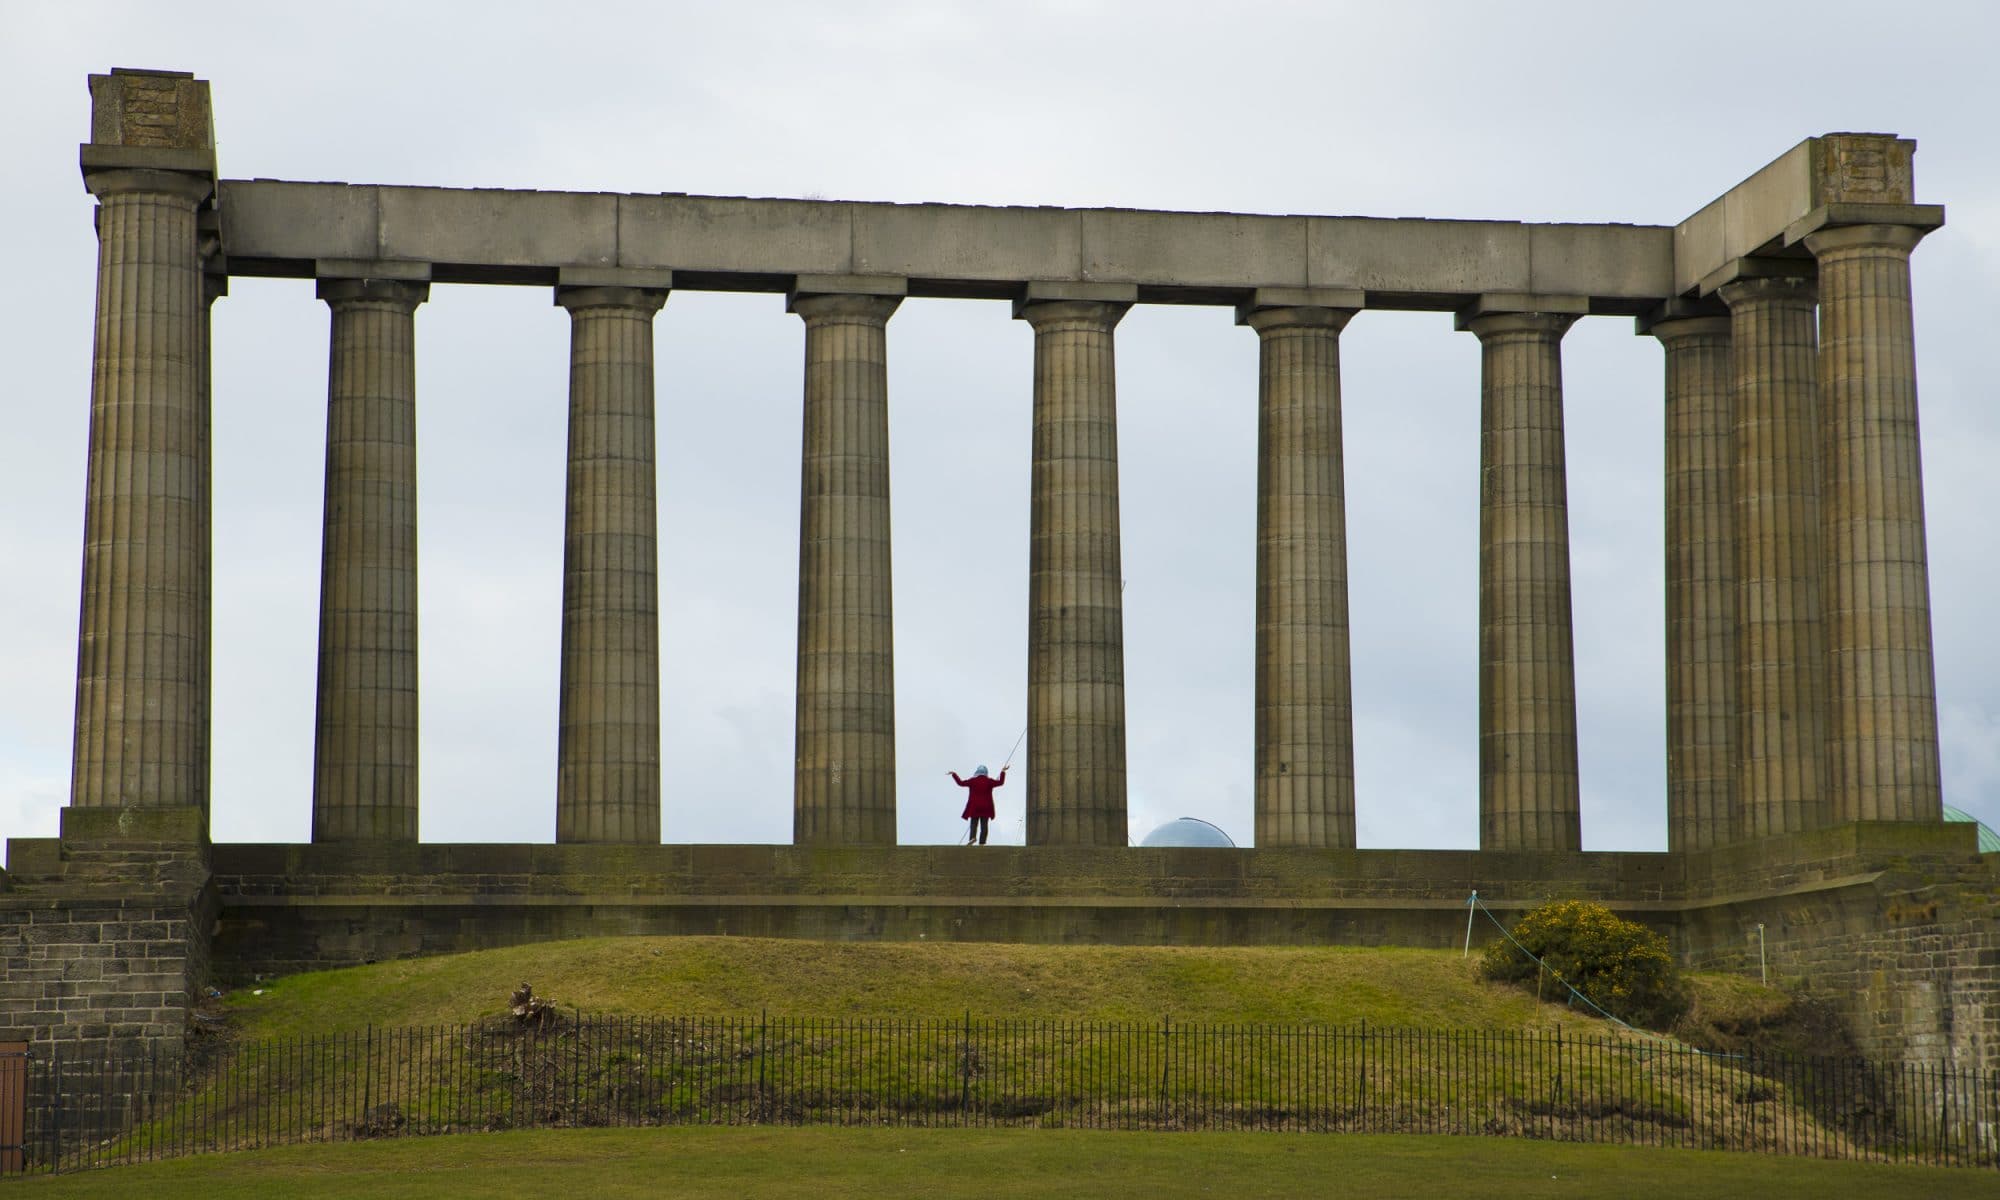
1002	779
955	779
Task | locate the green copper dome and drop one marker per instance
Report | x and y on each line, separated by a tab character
1989	841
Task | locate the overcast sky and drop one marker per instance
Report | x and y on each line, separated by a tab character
1522	111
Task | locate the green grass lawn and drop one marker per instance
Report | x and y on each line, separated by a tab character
832	1164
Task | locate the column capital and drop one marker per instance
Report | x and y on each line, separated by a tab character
1758	266
1920	218
1520	312
1900	239
1681	329
406	294
1799	290
1551	325
805	287
189	186
869	309
644	301
1681	317
1074	301
1044	313
1294	316
1350	299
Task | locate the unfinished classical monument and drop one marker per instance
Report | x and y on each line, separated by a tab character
1802	739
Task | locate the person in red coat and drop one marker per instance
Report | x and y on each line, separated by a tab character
979	803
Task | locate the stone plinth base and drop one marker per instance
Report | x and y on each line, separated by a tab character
105	931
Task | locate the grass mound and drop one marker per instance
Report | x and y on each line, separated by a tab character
706	976
703	1031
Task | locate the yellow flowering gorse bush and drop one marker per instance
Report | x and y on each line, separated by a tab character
1624	967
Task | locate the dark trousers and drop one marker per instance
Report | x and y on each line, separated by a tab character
978	831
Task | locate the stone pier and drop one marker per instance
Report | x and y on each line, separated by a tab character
365	749
1528	787
608	717
1076	616
844	780
1305	715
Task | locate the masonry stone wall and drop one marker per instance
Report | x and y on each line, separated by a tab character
1906	947
285	907
105	935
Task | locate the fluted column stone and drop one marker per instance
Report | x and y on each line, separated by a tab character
1882	725
844	779
214	286
1528	784
1304	795
365	748
1076	627
608	712
1701	582
1781	641
142	632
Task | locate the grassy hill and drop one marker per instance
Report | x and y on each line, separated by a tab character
700	1031
708	976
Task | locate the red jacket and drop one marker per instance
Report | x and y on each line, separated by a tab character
980	802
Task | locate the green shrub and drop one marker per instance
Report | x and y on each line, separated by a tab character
1623	967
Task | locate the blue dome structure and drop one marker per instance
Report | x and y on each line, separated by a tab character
1989	841
1189	831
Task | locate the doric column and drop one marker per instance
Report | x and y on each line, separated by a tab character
1701	581
1076	624
844	776
214	286
1882	728
1781	643
1305	716
365	751
608	722
1528	791
142	633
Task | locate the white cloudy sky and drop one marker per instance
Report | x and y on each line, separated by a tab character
1537	112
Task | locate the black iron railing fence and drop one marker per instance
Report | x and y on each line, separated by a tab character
603	1071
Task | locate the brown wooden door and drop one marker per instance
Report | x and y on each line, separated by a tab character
13	1106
